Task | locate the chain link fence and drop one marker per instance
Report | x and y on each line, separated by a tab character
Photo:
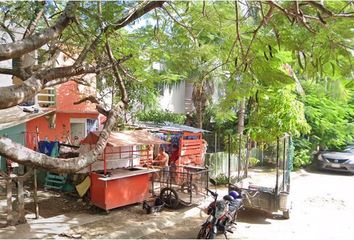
242	151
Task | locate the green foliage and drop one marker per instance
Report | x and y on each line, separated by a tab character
161	116
276	113
253	162
222	179
331	119
199	45
302	154
302	158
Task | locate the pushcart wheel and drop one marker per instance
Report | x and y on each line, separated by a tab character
186	189
170	197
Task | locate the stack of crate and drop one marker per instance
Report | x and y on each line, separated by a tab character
54	181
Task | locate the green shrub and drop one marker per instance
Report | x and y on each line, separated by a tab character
222	179
253	162
302	158
159	116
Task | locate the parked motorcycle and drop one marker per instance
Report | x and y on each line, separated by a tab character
222	215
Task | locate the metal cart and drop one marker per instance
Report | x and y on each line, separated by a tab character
273	199
183	185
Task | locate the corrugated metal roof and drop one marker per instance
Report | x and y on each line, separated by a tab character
126	138
167	126
15	115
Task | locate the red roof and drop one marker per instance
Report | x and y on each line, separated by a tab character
125	138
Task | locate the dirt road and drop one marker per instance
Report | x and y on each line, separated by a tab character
323	208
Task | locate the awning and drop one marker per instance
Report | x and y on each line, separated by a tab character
167	126
125	138
15	115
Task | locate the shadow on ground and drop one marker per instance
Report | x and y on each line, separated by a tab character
314	170
254	216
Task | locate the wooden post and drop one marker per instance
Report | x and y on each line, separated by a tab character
21	201
9	217
35	198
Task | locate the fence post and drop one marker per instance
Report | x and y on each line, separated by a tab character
239	157
9	217
277	176
229	162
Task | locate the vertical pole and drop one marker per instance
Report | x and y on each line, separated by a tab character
245	174
239	157
9	217
21	201
229	163
207	180
104	162
284	163
35	198
190	184
216	142
277	177
262	154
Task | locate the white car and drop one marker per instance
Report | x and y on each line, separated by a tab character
337	161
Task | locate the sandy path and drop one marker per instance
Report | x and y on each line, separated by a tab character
323	208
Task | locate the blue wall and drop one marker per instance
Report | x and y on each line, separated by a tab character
16	134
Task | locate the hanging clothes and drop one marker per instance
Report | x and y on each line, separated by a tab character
49	148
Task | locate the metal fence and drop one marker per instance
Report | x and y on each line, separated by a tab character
239	149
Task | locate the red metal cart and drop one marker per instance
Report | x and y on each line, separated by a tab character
117	178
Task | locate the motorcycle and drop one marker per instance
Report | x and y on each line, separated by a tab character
222	215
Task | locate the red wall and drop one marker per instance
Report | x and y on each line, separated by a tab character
61	130
68	93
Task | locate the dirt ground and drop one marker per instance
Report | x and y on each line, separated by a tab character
323	208
51	204
58	204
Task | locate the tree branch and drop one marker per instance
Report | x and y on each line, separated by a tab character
33	23
29	44
121	85
320	7
238	36
179	23
8	71
263	22
137	12
8	31
15	94
94	100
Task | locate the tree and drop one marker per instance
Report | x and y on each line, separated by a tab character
245	45
68	30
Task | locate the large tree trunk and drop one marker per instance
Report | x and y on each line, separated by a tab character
241	117
240	128
199	100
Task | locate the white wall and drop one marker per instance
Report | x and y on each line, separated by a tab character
177	98
28	59
5	80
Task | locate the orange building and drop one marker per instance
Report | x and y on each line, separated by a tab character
68	123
